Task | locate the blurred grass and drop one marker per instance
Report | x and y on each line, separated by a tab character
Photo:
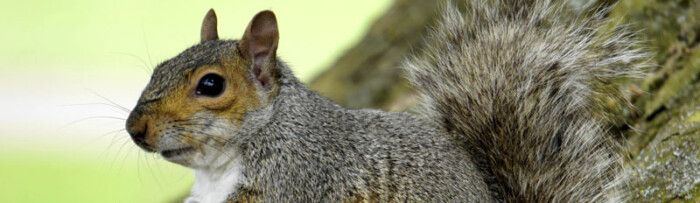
53	54
63	177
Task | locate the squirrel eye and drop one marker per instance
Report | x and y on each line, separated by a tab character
210	85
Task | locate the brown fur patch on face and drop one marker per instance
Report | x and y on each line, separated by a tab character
180	116
239	95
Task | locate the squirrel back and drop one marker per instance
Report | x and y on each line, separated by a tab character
514	82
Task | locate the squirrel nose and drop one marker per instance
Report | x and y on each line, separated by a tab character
137	127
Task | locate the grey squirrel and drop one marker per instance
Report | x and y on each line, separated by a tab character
507	116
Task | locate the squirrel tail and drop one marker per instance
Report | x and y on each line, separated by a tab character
513	82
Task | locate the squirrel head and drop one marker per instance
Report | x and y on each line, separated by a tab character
196	102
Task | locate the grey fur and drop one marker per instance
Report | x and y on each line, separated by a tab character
311	149
508	118
514	85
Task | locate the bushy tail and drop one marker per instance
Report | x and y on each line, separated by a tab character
513	81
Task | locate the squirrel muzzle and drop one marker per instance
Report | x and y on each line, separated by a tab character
137	127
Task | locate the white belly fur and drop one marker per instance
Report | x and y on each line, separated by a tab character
215	187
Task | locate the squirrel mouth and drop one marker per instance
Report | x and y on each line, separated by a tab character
176	152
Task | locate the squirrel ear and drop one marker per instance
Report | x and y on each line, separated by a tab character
259	45
209	31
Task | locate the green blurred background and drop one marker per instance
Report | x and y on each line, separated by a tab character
63	64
